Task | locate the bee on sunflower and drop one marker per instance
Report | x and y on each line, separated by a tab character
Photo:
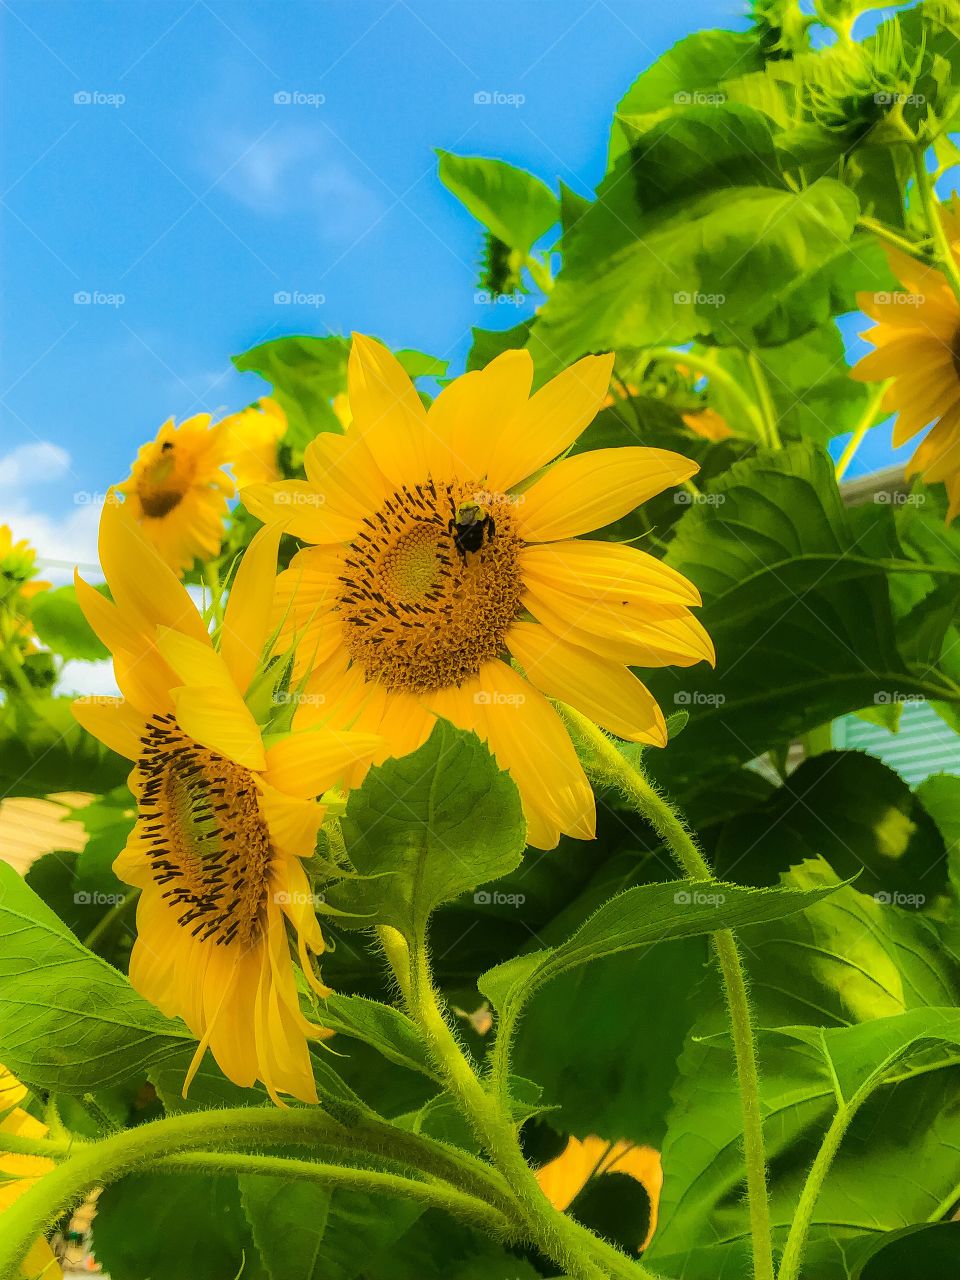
446	543
916	341
178	490
225	815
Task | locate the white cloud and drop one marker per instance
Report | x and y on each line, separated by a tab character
79	678
32	464
67	539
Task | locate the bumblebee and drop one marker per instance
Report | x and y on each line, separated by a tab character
471	526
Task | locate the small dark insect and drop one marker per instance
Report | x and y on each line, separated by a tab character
166	446
471	526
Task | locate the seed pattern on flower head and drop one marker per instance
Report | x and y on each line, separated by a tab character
209	843
446	549
417	613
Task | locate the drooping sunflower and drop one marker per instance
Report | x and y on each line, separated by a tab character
224	817
917	343
445	542
19	1172
253	436
178	490
563	1179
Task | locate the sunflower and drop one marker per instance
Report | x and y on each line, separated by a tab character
223	816
19	1172
18	583
445	542
917	345
177	490
253	436
564	1178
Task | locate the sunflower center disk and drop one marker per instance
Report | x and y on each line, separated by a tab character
163	482
208	841
418	612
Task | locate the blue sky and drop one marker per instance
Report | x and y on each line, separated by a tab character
183	188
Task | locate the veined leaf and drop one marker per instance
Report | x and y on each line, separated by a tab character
511	203
68	1021
423	829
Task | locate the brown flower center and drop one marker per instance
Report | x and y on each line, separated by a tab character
163	482
208	841
431	585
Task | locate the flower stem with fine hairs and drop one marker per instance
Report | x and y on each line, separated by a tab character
607	765
931	212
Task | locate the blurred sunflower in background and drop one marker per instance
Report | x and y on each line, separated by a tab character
252	441
18	585
917	344
177	490
19	1172
223	818
446	543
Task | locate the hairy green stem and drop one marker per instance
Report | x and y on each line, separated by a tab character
882	232
928	202
433	1195
94	1164
582	1255
803	1215
768	410
609	766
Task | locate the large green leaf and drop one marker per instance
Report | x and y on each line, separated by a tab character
309	1232
511	203
43	749
171	1227
859	814
388	1030
61	625
68	1021
796	599
713	267
423	829
305	372
689	74
640	917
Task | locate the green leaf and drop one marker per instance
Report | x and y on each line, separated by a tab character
60	624
43	750
380	1025
309	1232
423	829
489	343
640	917
68	1021
796	599
929	1249
715	267
517	207
172	1227
305	374
689	73
860	816
940	797
702	148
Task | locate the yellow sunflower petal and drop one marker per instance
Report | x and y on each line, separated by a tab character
143	586
607	692
308	763
247	617
606	570
472	414
550	421
293	822
300	509
110	626
590	490
217	718
343	470
529	739
114	722
388	413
